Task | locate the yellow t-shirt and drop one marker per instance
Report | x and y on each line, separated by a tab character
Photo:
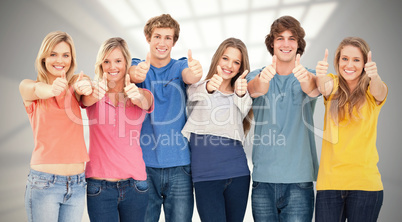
349	154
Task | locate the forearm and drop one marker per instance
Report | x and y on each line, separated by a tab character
189	77
43	90
378	89
325	84
310	86
145	101
257	88
89	100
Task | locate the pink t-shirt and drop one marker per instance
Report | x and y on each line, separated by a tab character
58	130
114	140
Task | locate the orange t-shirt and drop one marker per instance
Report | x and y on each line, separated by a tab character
58	130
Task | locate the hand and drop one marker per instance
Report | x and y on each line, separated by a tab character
194	65
322	66
216	81
100	88
131	89
140	72
371	68
59	84
269	71
83	85
299	71
241	84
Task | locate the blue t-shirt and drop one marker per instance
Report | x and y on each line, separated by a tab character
216	158
162	143
284	148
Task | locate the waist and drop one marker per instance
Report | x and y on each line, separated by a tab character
60	169
80	177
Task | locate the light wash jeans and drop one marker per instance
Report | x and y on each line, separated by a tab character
292	202
50	197
173	188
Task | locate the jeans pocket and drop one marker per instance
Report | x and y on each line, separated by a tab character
187	170
141	186
93	190
39	183
305	185
255	185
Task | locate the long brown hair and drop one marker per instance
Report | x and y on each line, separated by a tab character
343	96
245	65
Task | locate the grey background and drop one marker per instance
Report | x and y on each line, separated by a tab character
24	24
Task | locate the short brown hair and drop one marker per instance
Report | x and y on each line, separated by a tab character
282	24
162	21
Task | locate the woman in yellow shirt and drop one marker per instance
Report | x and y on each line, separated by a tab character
349	184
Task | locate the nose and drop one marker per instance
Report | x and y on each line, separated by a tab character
59	59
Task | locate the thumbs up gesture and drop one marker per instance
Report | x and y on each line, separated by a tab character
322	66
216	81
269	71
140	72
59	84
131	90
241	84
299	71
371	68
83	86
100	88
194	65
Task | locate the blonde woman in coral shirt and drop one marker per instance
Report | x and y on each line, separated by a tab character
55	188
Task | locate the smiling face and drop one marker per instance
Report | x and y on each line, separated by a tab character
285	46
351	64
114	65
230	62
58	60
161	43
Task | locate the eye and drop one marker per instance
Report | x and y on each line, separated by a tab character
66	56
344	59
224	58
106	62
357	60
52	54
237	63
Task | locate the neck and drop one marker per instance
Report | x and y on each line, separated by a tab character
158	63
225	86
285	68
115	87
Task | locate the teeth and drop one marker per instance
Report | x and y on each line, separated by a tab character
113	73
161	50
58	67
227	71
286	51
347	71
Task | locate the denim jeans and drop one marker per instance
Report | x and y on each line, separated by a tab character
354	205
173	188
222	200
50	197
124	200
292	202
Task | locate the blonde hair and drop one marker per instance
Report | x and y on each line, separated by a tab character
245	65
48	44
106	48
162	21
343	96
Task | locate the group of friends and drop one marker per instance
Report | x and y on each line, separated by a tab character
158	134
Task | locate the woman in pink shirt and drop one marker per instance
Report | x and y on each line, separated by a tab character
55	188
117	189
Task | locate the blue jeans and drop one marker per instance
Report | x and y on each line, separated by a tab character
124	200
50	197
173	188
222	200
292	202
355	205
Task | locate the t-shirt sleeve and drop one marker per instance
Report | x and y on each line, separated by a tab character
253	74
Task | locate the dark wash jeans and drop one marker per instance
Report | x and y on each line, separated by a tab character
354	205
